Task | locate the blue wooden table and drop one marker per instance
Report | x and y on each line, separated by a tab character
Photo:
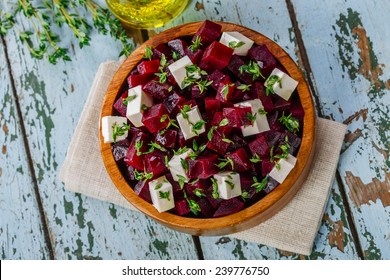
342	46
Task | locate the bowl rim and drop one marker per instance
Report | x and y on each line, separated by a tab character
249	216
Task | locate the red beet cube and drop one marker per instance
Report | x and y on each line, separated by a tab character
217	77
127	171
296	109
273	120
148	66
155	163
166	139
177	191
119	149
258	91
181	207
264	58
217	144
153	118
119	106
225	91
203	166
228	207
259	146
172	101
142	190
273	137
271	185
179	46
266	166
205	207
196	93
234	66
139	79
240	159
194	56
158	90
238	142
162	49
132	159
212	106
281	104
217	118
217	55
246	181
238	94
237	116
181	141
208	33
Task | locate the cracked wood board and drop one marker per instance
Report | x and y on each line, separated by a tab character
21	232
349	58
51	99
334	240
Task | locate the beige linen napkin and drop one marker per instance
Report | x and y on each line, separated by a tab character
293	229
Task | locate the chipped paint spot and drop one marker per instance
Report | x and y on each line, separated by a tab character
372	252
20	170
199	6
355	117
68	205
286	253
1	171
238	251
351	137
90	236
71	88
223	240
361	193
4	149
5	129
336	235
161	246
81	212
112	211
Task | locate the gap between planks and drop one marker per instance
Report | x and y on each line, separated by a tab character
307	68
30	163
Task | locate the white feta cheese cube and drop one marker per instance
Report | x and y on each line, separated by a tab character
108	124
285	165
229	184
188	126
260	123
231	39
161	193
285	87
179	72
176	167
138	98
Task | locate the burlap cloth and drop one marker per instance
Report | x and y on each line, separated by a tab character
293	229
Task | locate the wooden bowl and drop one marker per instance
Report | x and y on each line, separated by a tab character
250	216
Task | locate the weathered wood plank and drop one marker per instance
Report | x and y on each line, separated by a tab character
51	99
347	44
24	239
334	240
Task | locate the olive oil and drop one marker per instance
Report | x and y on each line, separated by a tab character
146	13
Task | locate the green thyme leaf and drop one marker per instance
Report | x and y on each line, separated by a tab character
203	85
198	126
195	44
259	186
272	80
162	77
184	164
244	87
164	195
252	68
199	192
245	195
158	186
181	150
211	132
129	99
142	175
251	118
175	55
224	162
119	130
225	89
182	180
235	44
215	192
291	123
148	52
255	158
138	146
194	206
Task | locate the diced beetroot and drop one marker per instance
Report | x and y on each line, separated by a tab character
281	104
264	58
217	55
203	166
181	141
293	140
273	121
266	166
225	90
172	101
214	202
139	79
132	159
204	66
271	185
201	184
153	119
234	66
166	139
196	93
142	190
148	66
160	50
208	33
212	106
181	207
158	90
179	46
119	106
258	91
228	207
238	94
127	171
177	191
296	109
240	159
259	146
217	144
194	56
155	163
273	137
246	181
171	79
205	207
191	103
216	120
119	149
217	77
237	116
238	142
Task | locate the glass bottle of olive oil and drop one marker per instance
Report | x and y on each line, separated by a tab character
146	13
